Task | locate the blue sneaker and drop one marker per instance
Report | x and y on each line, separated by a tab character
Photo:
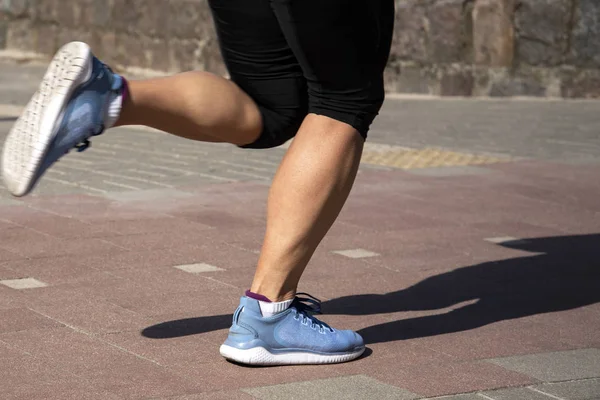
294	336
70	106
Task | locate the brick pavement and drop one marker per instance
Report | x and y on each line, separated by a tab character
479	281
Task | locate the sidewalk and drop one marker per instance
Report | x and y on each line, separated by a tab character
467	257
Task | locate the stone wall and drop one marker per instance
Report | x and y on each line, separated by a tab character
497	47
442	47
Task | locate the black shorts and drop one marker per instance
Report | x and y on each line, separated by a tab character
295	57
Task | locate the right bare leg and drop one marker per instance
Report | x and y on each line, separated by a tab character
194	105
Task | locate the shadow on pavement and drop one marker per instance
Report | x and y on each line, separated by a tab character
563	274
188	326
8	119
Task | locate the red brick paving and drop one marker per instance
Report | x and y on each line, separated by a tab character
117	320
20	319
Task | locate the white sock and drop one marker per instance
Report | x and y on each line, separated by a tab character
114	110
270	309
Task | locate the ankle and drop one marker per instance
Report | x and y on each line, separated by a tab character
269	308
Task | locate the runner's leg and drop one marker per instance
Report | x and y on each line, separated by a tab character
195	105
344	67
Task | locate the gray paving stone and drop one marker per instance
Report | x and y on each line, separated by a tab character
357	387
588	389
147	195
24	283
198	268
356	253
556	130
506	240
514	394
132	159
558	366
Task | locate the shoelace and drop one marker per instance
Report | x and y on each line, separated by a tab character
83	146
306	308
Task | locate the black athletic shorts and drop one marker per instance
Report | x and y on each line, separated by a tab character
295	57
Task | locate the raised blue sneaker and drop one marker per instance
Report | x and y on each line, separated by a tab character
70	106
293	336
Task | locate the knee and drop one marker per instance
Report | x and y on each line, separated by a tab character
357	108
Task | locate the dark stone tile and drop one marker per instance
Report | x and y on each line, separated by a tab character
556	366
345	387
588	389
450	378
525	393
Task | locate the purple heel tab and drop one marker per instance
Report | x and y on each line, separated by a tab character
257	296
125	89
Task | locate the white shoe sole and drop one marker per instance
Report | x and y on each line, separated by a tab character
28	141
261	356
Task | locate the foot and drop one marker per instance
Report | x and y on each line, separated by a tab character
70	106
294	336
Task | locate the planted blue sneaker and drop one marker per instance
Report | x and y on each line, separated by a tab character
71	105
293	336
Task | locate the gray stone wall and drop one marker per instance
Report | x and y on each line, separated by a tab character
442	47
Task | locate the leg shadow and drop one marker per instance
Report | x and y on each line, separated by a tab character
562	274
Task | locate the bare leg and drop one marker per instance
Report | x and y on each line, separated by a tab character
308	192
309	189
194	105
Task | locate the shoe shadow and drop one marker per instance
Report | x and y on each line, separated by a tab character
188	326
563	273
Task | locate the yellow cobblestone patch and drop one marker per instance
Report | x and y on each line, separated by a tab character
407	158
